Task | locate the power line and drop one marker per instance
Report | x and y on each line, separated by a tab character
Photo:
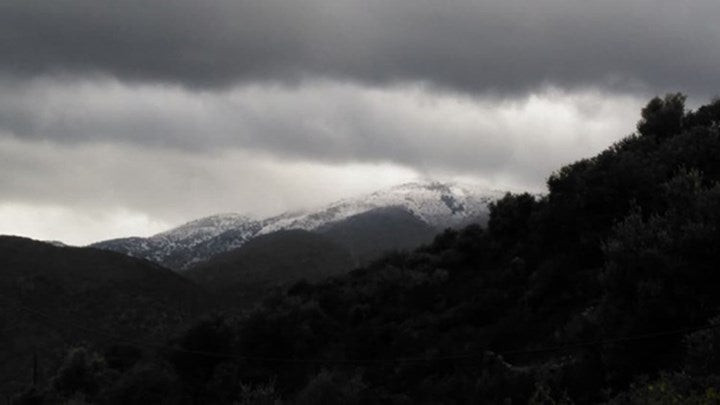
398	360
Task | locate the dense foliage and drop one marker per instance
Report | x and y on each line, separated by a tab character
602	290
54	297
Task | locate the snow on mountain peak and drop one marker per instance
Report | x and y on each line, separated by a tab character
202	229
439	205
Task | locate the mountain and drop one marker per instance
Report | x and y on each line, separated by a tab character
243	275
370	234
604	290
439	205
193	242
436	205
54	297
277	258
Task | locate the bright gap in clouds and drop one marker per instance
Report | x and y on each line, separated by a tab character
87	160
80	194
72	226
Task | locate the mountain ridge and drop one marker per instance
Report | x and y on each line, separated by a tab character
52	297
439	205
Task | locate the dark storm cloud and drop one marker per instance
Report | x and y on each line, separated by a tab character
322	121
503	47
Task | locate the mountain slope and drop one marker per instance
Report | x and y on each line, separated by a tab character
273	259
54	297
193	242
370	234
437	205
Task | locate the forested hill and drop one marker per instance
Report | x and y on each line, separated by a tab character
53	298
241	277
603	290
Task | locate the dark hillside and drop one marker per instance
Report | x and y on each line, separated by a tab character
370	234
49	294
243	275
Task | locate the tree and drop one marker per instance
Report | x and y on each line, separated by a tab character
663	117
199	351
82	372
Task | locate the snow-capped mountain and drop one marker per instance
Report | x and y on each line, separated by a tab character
198	231
439	205
190	243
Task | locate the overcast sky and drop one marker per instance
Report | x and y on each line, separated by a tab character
126	118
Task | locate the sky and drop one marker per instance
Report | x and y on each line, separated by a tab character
127	118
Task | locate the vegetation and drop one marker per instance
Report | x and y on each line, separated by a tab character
57	298
242	276
367	236
603	290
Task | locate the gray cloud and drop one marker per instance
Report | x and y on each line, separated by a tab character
329	122
505	47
